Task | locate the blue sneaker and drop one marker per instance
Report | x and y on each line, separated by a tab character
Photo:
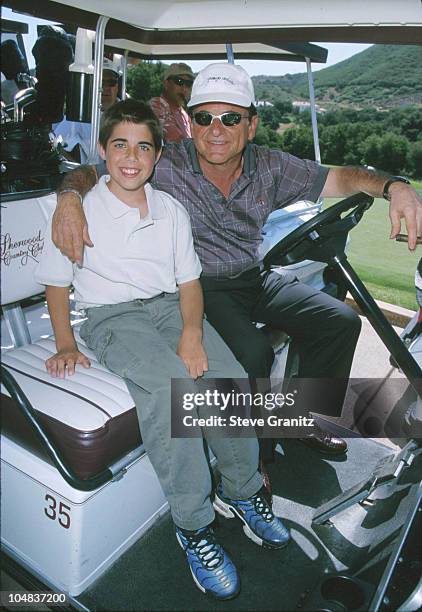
212	569
259	522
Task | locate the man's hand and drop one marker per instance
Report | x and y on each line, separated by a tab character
70	229
405	204
193	355
66	359
404	201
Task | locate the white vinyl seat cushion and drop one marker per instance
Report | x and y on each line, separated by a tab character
89	414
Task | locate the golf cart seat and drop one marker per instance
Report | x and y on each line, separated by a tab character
90	416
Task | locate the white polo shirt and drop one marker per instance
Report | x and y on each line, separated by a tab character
132	258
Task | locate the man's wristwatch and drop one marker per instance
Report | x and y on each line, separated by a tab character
75	191
391	180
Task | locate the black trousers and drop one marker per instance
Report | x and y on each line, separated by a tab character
324	331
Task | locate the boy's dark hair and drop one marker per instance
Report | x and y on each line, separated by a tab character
130	111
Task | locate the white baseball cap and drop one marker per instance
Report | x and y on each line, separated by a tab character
223	83
108	64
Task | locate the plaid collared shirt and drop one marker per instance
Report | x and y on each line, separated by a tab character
227	232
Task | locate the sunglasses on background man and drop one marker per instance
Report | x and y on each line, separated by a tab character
182	82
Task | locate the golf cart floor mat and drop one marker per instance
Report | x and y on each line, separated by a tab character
153	574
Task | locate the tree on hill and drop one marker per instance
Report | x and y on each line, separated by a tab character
388	152
298	141
267	137
414	159
145	80
270	116
390	141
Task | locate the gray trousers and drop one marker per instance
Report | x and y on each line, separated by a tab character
137	340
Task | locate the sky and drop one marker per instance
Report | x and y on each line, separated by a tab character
336	52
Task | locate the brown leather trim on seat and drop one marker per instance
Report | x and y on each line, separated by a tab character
86	453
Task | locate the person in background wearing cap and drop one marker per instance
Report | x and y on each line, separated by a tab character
109	84
229	186
77	135
170	106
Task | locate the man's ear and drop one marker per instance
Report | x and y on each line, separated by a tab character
101	151
253	125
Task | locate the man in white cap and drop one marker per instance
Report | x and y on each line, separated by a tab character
229	186
77	135
170	106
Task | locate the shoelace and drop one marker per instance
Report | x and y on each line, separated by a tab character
207	549
263	508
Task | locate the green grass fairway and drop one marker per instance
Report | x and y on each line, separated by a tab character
385	266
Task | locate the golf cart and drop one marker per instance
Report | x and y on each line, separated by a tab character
78	488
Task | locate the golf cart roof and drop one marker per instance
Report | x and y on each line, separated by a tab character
165	44
273	23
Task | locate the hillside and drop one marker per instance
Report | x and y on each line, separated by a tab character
382	76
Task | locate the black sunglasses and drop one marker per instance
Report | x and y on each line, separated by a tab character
228	119
182	82
110	82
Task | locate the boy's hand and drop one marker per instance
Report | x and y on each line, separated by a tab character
193	355
66	359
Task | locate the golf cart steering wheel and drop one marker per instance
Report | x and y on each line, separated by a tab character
322	237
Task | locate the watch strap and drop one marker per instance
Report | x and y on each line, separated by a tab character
391	180
68	190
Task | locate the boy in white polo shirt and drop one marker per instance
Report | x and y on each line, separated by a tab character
139	288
